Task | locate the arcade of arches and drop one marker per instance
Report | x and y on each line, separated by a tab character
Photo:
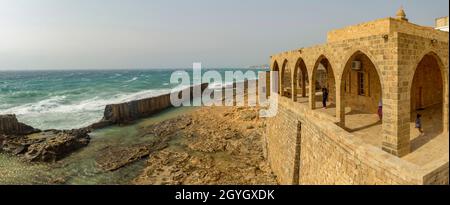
361	96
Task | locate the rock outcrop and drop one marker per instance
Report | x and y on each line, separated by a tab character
213	146
9	125
39	146
113	158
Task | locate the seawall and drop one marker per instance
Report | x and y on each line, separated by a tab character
131	111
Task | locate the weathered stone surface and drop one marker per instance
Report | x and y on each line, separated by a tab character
169	127
10	126
113	158
393	49
48	146
217	148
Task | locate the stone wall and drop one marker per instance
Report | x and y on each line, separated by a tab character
137	109
327	154
283	136
395	48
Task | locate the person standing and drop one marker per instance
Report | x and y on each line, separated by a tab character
419	123
324	97
380	110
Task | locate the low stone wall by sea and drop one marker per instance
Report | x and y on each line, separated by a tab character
128	112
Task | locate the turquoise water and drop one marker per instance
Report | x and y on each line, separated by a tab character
74	99
80	167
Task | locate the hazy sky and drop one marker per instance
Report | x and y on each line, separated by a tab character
100	34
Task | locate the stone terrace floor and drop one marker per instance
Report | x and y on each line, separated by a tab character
426	147
432	144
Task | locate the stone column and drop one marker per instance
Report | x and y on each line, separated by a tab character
340	104
303	84
312	92
396	110
294	86
445	102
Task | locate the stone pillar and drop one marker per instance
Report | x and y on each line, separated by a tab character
294	82
303	84
396	111
312	92
445	103
340	104
281	83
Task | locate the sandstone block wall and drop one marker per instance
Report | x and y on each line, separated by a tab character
327	154
283	137
395	48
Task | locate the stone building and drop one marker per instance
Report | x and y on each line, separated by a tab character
380	75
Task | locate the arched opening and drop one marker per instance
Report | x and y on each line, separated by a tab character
301	82
286	83
324	87
276	68
427	103
361	99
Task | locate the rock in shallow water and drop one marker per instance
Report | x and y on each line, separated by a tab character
114	158
48	146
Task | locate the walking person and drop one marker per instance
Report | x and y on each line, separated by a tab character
324	97
380	110
419	123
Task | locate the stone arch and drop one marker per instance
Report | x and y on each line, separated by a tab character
276	68
366	53
361	90
300	79
427	90
429	52
286	81
322	66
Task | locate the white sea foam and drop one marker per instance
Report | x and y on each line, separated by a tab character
59	104
134	79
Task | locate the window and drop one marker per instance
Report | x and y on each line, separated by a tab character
361	84
348	83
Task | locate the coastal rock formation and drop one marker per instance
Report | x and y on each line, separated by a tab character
57	145
216	147
9	125
113	158
47	146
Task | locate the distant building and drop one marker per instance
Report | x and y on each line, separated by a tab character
442	23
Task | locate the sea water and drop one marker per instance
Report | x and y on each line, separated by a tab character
74	99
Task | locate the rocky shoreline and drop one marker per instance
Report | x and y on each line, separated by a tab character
40	146
222	146
209	146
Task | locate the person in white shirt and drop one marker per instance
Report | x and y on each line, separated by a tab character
380	110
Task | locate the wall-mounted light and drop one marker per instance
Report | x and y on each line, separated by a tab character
385	37
434	41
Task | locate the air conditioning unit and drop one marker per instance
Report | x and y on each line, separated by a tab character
356	65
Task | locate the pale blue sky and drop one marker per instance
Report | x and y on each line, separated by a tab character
102	34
